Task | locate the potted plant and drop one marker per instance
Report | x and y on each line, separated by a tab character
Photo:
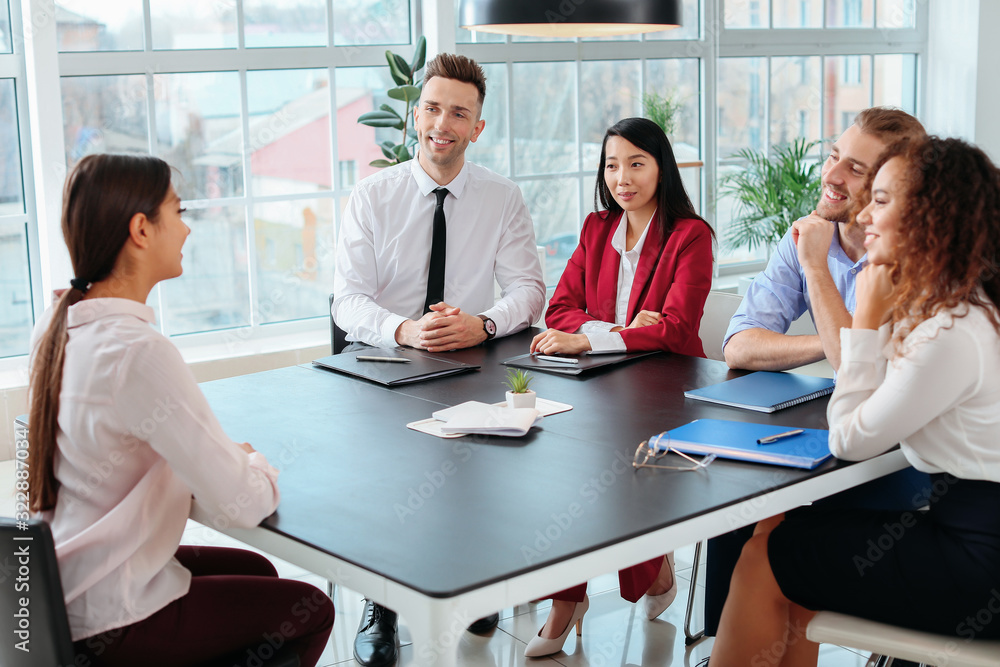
518	394
408	92
771	193
664	110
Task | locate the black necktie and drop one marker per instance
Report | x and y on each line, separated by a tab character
435	275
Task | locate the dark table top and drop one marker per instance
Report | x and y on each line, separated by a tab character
444	516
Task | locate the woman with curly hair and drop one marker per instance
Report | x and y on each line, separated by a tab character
919	368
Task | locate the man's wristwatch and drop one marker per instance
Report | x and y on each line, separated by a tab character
489	326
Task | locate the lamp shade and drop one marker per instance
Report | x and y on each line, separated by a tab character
569	18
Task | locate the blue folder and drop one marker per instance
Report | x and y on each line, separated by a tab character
764	391
738	440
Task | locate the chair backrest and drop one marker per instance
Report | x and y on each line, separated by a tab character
32	609
338	337
719	309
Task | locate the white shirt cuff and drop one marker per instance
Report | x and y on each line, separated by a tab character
595	326
610	341
389	330
859	345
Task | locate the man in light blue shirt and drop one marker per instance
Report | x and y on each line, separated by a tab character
817	261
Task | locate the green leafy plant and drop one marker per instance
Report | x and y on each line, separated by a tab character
407	91
664	110
771	193
518	380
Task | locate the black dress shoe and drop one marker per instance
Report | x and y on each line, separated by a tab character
485	624
375	645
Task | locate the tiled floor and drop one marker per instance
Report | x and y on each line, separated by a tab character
615	632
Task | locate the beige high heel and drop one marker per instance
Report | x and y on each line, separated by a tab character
539	646
657	604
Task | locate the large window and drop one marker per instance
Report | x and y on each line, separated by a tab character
255	105
265	149
16	308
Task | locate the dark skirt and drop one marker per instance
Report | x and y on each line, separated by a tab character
936	571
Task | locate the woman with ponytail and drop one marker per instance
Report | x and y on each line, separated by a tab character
122	442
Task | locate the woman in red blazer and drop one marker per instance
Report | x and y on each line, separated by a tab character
637	281
647	235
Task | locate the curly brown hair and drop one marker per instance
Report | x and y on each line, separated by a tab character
949	244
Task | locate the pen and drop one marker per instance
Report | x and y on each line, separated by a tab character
395	360
778	436
561	360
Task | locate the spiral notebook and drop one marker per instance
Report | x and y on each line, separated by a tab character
764	391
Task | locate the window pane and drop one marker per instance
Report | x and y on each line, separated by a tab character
4	26
741	105
544	118
850	13
746	13
554	204
360	90
15	290
85	25
104	114
492	149
690	27
896	81
846	92
213	293
198	131
614	94
679	77
193	24
295	245
366	22
463	36
798	13
896	13
284	23
795	99
11	187
290	148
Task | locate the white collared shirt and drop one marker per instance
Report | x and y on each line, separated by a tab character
601	338
136	439
383	254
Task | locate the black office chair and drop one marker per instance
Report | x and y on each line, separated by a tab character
338	337
29	574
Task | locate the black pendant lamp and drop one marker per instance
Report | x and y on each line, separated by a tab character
569	18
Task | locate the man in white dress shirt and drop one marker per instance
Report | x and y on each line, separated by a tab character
381	294
383	255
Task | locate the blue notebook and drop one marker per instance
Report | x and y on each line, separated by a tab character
764	391
738	440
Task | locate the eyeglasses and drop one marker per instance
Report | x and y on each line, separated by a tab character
647	452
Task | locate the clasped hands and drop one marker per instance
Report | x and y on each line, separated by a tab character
443	329
554	341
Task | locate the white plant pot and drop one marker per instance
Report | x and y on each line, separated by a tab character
525	400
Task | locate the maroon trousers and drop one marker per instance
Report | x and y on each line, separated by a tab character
633	582
237	612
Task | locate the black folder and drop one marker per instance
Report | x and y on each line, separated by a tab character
422	366
584	362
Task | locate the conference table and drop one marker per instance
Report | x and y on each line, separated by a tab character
445	531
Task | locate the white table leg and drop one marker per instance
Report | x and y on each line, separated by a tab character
436	634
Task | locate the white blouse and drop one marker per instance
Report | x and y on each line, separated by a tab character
601	338
940	398
136	439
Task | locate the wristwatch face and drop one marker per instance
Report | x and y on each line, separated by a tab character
490	327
